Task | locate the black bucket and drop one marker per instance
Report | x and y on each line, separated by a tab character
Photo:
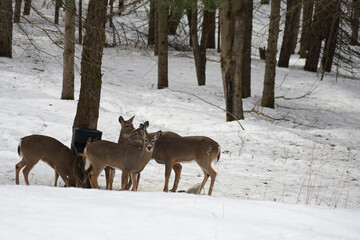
80	136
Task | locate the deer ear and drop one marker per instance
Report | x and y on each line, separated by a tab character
121	120
146	124
131	119
158	134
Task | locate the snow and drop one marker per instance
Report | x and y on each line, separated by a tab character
311	158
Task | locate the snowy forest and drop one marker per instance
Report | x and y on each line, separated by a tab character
181	119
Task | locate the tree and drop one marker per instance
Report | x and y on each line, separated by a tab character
268	97
212	30
200	49
58	4
27	7
246	76
290	33
151	33
308	7
163	10
6	13
69	50
87	112
80	22
355	22
232	20
17	11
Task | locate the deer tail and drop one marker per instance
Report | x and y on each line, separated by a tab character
218	154
19	148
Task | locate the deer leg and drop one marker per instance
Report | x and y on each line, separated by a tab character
56	178
177	169
168	168
18	167
135	181
128	184
93	177
109	177
206	176
212	174
29	165
63	175
124	179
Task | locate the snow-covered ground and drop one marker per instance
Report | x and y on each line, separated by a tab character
309	157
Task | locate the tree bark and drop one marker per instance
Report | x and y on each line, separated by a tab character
156	28
121	5
265	1
6	28
162	46
268	97
232	55
355	23
296	26
290	33
17	11
80	22
308	7
151	34
212	30
58	5
69	51
87	112
246	79
173	21
27	7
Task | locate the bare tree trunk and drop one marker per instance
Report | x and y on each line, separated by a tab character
308	7
27	7
111	3
121	5
6	28
163	46
268	97
246	80
151	37
156	29
296	26
265	1
189	15
69	51
355	23
17	11
232	55
173	21
87	112
58	4
80	22
290	35
212	30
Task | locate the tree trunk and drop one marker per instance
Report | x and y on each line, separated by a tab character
87	112
330	44
156	29
17	11
355	23
200	49
80	22
265	1
212	30
151	34
232	55
6	28
173	21
58	5
111	3
290	34
69	51
317	35
121	5
268	97
189	15
296	25
246	80
163	46
27	7
308	7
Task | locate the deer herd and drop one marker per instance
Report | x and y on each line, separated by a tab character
133	151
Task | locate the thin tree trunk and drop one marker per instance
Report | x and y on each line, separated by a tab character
69	51
111	3
212	30
189	15
296	25
173	21
156	29
232	49
58	4
163	46
17	11
246	80
87	112
268	97
355	23
6	28
27	7
290	35
80	22
151	37
121	5
308	7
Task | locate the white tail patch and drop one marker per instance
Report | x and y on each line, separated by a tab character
218	156
87	162
19	148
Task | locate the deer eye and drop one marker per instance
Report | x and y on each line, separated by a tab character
146	141
135	134
127	126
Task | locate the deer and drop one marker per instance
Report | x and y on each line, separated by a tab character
171	149
127	129
34	148
130	157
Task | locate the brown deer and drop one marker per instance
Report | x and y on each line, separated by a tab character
130	156
34	148
127	129
171	149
